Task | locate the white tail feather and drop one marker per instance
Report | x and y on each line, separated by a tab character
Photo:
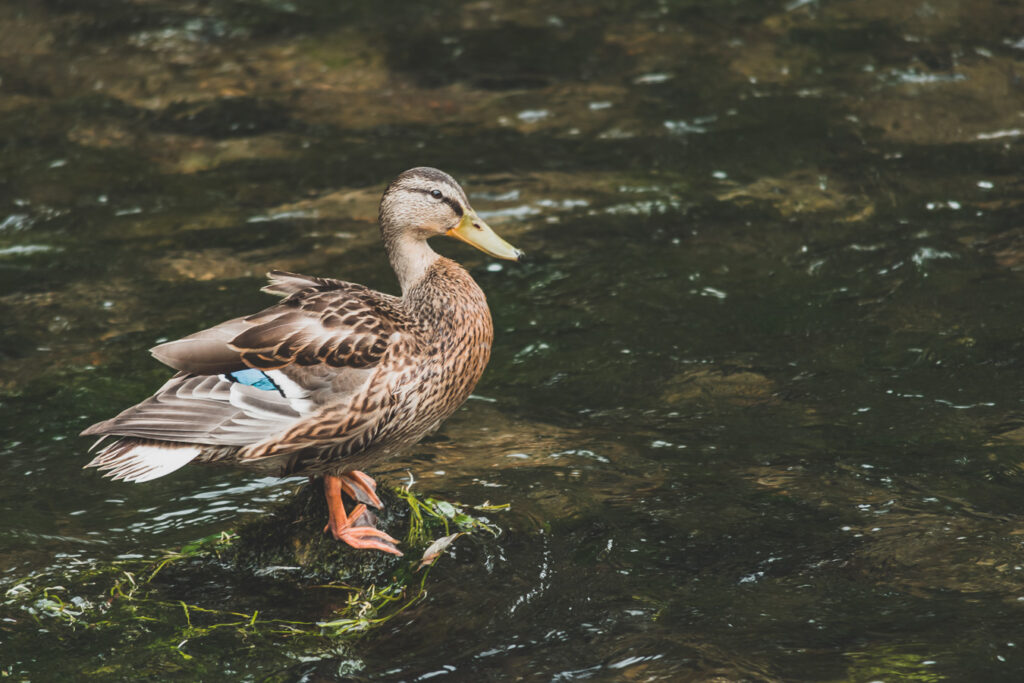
142	462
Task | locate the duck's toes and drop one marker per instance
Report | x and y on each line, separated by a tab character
367	537
358	531
355	528
361	488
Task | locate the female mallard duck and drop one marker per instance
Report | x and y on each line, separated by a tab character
334	377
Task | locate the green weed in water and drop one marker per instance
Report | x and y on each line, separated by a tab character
445	513
187	601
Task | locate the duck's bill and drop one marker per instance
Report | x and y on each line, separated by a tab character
472	230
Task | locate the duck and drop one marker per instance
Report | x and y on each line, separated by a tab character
332	379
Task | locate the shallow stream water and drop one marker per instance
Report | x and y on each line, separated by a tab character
755	402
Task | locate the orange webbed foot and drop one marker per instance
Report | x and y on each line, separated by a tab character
355	529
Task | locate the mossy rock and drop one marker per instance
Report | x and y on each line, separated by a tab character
292	539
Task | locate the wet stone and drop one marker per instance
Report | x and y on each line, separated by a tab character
803	192
224	117
740	387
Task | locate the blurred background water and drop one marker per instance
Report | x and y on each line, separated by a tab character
756	403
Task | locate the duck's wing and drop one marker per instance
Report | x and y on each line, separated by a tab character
320	321
213	410
248	379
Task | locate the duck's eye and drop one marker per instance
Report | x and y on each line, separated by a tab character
436	194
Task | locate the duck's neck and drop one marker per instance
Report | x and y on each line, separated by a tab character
446	297
410	258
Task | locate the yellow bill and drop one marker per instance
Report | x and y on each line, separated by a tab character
472	230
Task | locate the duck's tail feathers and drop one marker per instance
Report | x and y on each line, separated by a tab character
140	460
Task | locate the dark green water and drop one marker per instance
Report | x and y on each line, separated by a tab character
756	403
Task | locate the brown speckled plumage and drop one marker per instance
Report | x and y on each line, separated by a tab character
428	351
352	376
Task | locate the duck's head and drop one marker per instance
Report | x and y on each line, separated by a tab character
424	202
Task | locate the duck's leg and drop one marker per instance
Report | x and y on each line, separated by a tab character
344	527
361	488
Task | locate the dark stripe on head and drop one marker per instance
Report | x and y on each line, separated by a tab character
456	207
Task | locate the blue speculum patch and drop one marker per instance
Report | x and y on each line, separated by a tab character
253	378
